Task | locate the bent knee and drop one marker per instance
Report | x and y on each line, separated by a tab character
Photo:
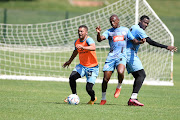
121	72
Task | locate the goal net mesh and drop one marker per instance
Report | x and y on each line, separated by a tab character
38	51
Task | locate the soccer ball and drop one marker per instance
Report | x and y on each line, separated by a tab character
73	99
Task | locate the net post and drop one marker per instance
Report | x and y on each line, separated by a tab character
136	11
171	35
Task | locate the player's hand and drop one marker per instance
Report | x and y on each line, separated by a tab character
172	48
66	64
143	40
98	29
79	46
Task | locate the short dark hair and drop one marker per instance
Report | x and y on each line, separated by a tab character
144	16
84	26
114	15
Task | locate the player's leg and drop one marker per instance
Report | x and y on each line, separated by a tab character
72	81
91	93
135	67
139	79
120	71
108	69
78	72
106	78
120	66
91	75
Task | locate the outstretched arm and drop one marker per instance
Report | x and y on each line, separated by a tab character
99	37
74	54
153	43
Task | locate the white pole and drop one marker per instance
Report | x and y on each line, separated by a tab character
171	35
137	12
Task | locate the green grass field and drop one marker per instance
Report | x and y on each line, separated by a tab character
34	100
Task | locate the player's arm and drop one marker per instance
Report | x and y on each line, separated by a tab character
153	43
137	42
99	37
134	40
91	47
74	54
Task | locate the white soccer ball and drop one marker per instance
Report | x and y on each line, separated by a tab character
73	99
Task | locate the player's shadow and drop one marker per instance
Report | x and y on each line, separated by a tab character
80	103
106	104
97	104
56	102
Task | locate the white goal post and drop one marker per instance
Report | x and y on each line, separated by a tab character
38	51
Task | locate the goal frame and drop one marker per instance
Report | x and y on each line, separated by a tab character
151	82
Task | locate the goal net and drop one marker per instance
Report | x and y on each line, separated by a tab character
38	51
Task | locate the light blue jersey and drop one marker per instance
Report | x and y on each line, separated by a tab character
139	34
133	62
118	38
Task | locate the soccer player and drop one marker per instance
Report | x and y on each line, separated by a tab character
117	37
88	66
134	65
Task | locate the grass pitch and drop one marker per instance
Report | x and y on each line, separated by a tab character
35	100
24	100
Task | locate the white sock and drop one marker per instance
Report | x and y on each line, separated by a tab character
134	96
103	95
119	85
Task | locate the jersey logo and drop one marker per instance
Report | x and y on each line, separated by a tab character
118	38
